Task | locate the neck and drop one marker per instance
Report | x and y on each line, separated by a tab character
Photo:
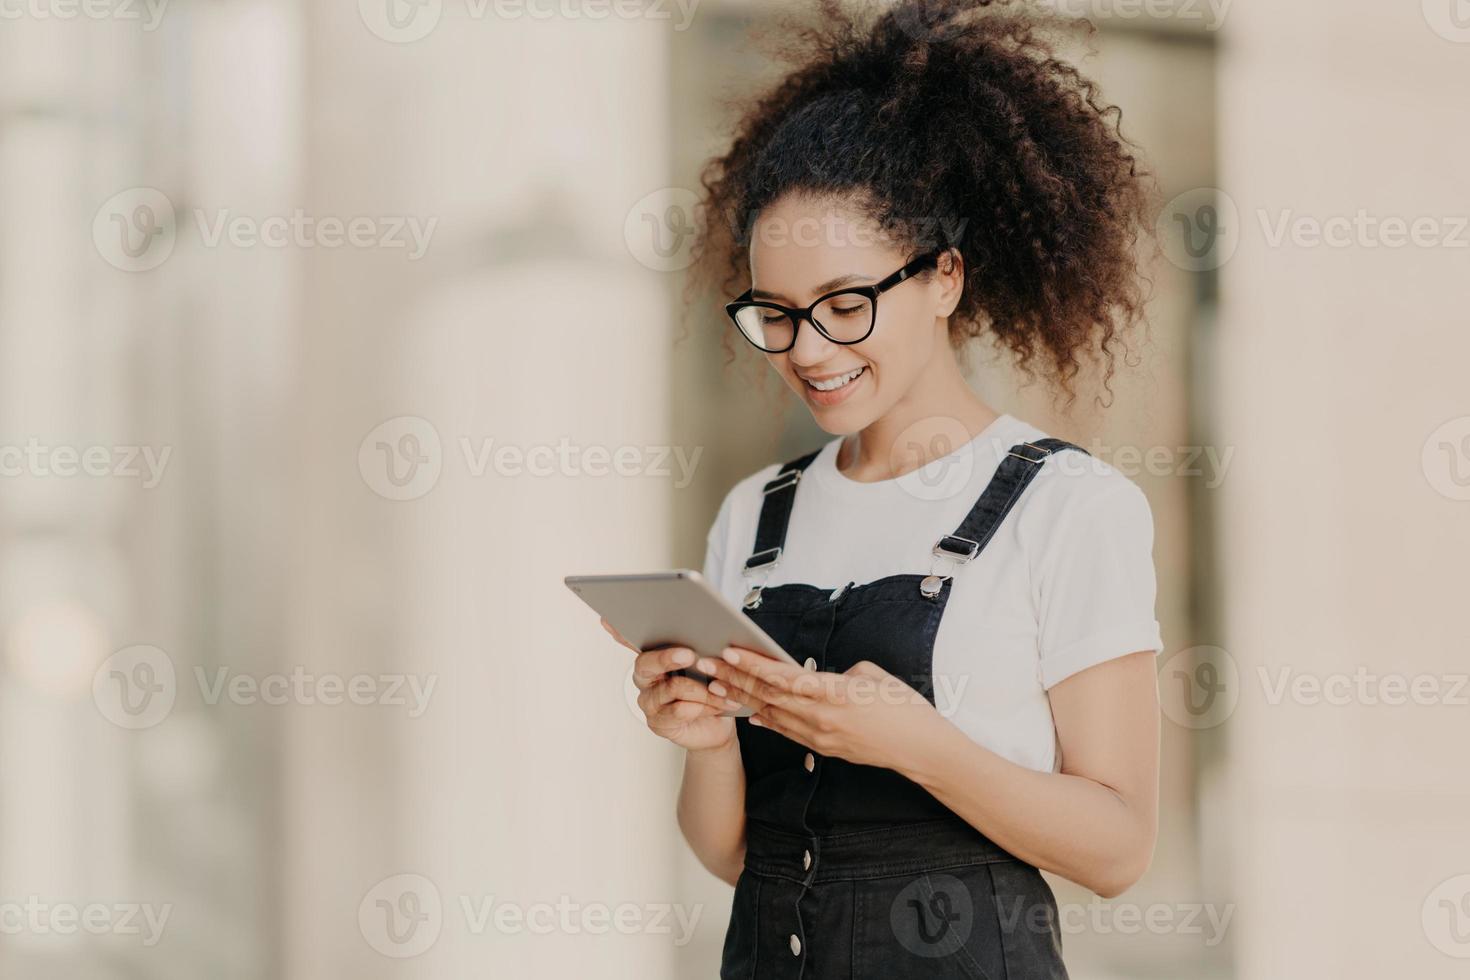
934	418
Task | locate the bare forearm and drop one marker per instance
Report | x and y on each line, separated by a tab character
1076	827
711	809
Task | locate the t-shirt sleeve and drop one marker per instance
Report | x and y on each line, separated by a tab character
1096	583
714	547
732	531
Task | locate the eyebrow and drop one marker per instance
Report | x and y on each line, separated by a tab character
821	290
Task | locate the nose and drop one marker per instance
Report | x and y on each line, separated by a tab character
810	347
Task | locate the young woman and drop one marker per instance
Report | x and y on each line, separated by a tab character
972	600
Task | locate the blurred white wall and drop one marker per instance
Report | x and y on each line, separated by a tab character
529	783
1343	539
125	342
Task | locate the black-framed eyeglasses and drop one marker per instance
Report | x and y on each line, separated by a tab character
846	316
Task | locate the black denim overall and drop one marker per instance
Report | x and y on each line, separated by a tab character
854	871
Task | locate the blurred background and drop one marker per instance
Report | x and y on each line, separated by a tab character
333	334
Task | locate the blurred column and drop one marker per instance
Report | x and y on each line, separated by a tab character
62	577
121	535
1346	518
449	402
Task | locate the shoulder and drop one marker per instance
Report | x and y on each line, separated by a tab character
1088	538
1078	497
742	501
1071	480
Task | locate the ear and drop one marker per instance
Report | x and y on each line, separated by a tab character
950	275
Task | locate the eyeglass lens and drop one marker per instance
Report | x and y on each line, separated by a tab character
845	318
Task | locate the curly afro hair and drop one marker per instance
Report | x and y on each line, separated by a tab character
952	124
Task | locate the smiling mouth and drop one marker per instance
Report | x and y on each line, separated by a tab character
837	382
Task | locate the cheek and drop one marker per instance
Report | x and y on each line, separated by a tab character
907	346
895	357
781	364
898	361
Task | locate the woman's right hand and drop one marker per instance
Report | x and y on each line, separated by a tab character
681	709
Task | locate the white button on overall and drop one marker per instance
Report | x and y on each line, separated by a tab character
795	945
810	762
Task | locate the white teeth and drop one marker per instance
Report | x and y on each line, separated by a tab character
832	384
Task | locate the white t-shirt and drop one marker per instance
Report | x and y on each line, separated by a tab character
1066	583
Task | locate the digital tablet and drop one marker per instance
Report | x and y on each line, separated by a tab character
678	608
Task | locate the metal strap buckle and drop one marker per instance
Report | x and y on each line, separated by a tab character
788	479
955	547
763	558
1044	453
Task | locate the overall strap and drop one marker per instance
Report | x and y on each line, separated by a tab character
1018	467
770	532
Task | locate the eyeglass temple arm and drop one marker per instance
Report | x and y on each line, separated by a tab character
909	271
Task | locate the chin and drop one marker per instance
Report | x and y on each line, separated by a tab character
841	421
846	417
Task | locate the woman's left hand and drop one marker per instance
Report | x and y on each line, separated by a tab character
866	715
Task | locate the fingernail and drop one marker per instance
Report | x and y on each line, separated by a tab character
731	655
717	689
708	666
732	703
683	658
756	721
